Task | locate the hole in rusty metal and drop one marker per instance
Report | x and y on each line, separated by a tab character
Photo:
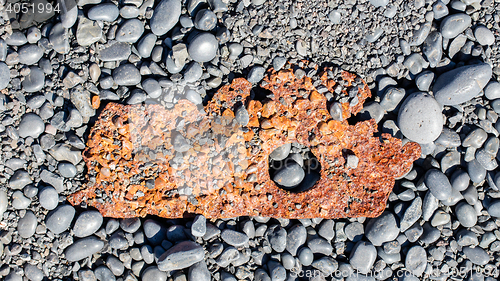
294	168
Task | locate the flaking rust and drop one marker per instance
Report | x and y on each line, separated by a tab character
139	165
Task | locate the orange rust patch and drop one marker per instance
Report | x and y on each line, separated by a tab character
134	170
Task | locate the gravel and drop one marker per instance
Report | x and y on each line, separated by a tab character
433	71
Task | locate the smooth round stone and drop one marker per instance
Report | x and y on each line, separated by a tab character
371	110
420	118
477	172
295	238
193	96
33	273
19	179
20	202
461	84
416	260
234	238
382	229
379	3
277	238
199	226
256	74
130	225
87	223
31	126
460	180
4	75
26	226
433	49
455	24
127	75
117	52
115	265
288	261
242	115
476	255
181	255
13	276
137	96
491	91
66	169
203	47
48	198
152	273
440	218
235	49
34	81
278	62
440	10
199	272
83	248
424	80
152	88
354	231
60	219
415	63
34	35
129	12
205	20
448	138
154	232
130	31
105	12
438	184
30	54
118	241
17	38
476	138
363	256
103	273
59	38
193	72
165	16
466	214
335	17
172	68
281	152
290	175
494	208
484	36
306	256
146	45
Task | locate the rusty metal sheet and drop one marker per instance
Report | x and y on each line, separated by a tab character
185	160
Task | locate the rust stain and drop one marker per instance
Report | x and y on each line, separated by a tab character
222	171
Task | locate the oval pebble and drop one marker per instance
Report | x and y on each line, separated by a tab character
130	31
87	223
484	36
127	75
382	229
165	15
181	255
416	260
491	91
152	273
455	24
466	214
26	226
30	54
35	81
105	12
290	175
146	45
205	20
438	184
461	84
476	255
66	169
83	248
4	75
48	197
363	256
420	118
203	47
33	273
60	219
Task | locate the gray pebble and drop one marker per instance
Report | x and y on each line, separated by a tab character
411	214
306	256
105	12
193	72
424	80
60	219
166	14
199	226
382	229
68	12
420	118
281	152
130	225
203	47
127	75
152	88
19	179
296	237
103	273
416	260
276	235
35	81
354	231
448	138
136	97
31	125
234	238
116	52
290	175
327	265
256	74
476	255
477	172
181	255
475	139
26	226
466	214
152	273
17	38
415	63
4	75
59	38
130	31
242	115
319	245
278	63
379	3
146	45
19	201
326	229
118	241
66	169
440	10
87	223
4	202
65	152
335	17
438	184
115	265
276	271
484	36
205	20
372	110
491	91
155	233
88	32
193	96
420	35
30	54
363	256
48	198
432	48
33	273
147	254
461	84
391	99
13	276
455	24
460	180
